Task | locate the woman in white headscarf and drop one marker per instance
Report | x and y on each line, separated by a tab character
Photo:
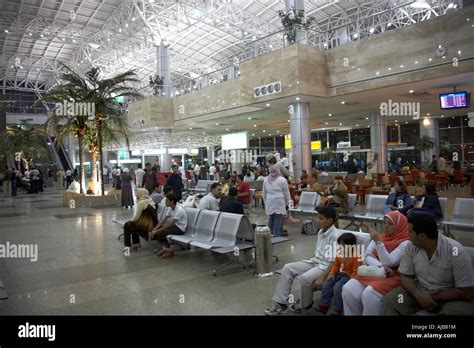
142	222
276	197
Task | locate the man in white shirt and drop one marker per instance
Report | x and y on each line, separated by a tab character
212	172
197	168
139	175
175	222
312	272
209	201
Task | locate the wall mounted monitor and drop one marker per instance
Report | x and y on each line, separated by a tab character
456	100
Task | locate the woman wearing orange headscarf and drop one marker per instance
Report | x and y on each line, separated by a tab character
364	295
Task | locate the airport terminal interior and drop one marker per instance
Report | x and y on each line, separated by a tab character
208	157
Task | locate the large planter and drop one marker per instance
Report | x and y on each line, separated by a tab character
75	200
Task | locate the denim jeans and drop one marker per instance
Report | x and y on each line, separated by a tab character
334	286
275	222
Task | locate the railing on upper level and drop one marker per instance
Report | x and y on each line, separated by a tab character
322	39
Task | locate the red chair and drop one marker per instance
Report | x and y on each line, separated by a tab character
409	180
459	177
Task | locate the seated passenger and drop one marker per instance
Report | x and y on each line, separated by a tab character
399	200
142	222
364	295
75	186
224	186
304	179
344	268
167	189
243	189
428	202
336	196
209	201
175	222
311	273
231	204
436	274
157	195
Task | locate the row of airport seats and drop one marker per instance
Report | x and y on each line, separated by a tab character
462	218
221	233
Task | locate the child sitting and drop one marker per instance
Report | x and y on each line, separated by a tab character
344	268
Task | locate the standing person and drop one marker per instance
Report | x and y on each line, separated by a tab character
139	173
127	195
175	181
50	177
35	180
434	165
76	173
7	182
243	189
182	172
364	295
442	164
212	171
174	223
304	179
202	171
271	159
105	175
41	181
143	221
149	178
60	176
15	180
436	274
196	172
114	176
68	177
276	197
312	272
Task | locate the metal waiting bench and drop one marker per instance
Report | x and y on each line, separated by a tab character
221	233
307	203
463	217
373	212
202	186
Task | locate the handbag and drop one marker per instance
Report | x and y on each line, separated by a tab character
147	220
371	271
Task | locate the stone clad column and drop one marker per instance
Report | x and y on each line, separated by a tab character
378	140
431	129
300	130
301	36
163	68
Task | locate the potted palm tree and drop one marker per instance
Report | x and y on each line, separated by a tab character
425	143
103	94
